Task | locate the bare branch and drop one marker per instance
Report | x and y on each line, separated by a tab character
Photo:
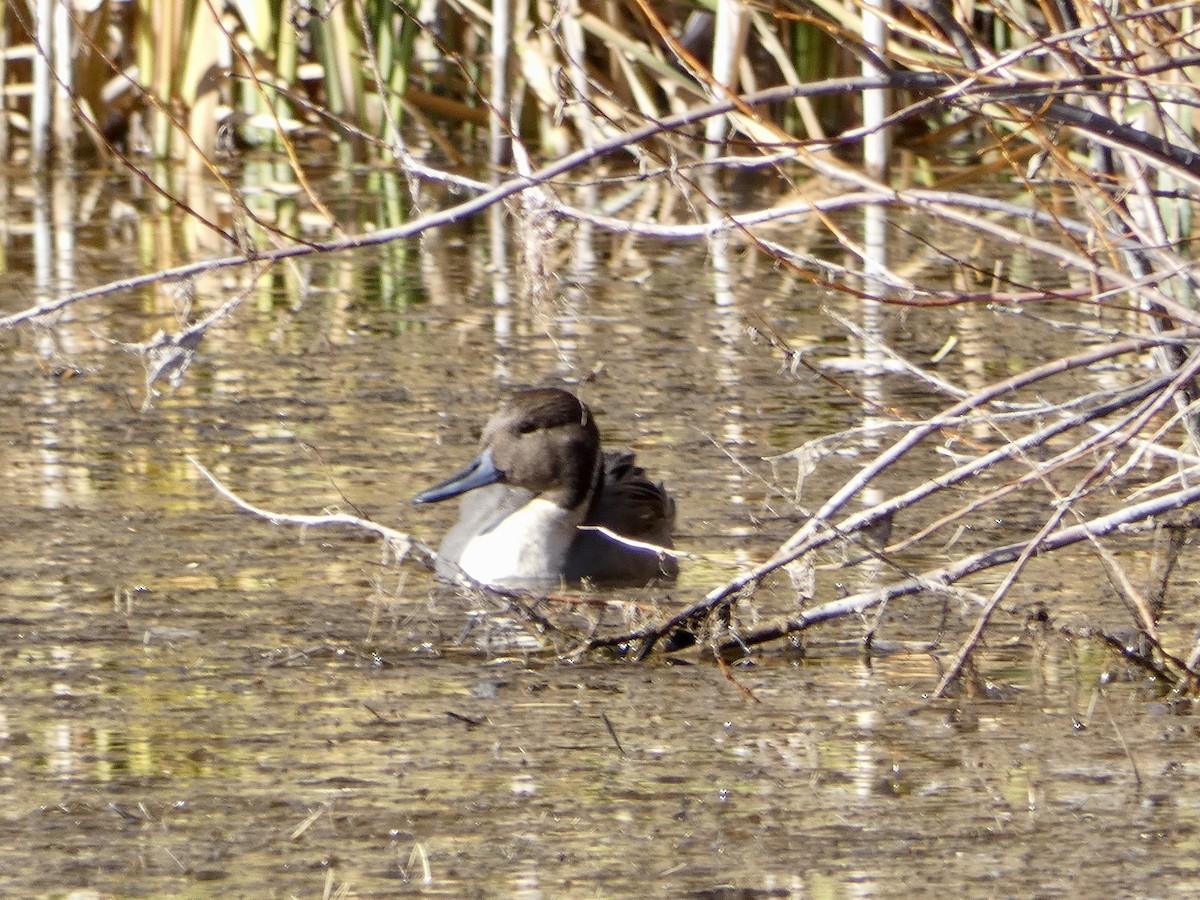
400	544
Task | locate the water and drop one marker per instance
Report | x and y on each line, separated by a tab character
200	703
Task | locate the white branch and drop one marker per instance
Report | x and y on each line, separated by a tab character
400	543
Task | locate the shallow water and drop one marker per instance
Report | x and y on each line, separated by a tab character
200	703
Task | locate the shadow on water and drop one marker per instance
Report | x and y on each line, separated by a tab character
198	702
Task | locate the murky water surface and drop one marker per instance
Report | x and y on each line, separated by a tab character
199	703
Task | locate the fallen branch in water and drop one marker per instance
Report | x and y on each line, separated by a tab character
1115	432
942	577
1141	418
821	529
399	544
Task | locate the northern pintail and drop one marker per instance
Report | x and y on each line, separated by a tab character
540	474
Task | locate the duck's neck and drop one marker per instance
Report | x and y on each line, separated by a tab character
532	543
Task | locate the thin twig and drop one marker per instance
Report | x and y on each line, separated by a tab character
1179	161
612	733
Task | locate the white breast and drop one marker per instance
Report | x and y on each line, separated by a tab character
531	544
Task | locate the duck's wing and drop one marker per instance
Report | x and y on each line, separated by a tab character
629	504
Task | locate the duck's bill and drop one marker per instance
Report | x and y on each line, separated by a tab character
482	471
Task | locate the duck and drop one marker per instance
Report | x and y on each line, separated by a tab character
539	476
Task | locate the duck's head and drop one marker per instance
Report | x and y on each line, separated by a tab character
544	441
